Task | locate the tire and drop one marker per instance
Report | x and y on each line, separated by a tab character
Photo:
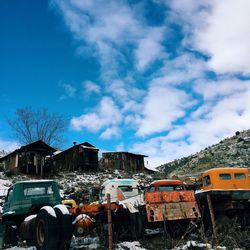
65	227
27	229
46	229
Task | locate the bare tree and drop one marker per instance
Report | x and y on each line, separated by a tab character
30	125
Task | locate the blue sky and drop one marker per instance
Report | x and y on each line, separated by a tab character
161	78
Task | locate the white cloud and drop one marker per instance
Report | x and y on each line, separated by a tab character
110	133
219	29
108	27
182	69
125	92
226	110
120	147
160	150
226	38
225	87
150	48
162	107
69	91
106	114
91	87
8	145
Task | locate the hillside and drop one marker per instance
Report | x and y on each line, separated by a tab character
230	152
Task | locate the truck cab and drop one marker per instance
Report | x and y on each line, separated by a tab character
226	178
231	184
27	197
169	200
119	189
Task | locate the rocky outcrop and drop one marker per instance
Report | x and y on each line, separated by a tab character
230	152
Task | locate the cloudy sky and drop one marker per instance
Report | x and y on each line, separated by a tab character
160	78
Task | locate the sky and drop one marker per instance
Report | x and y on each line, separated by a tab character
160	78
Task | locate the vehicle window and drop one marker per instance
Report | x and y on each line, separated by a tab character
34	190
9	195
126	188
166	188
152	189
179	187
225	177
239	176
206	180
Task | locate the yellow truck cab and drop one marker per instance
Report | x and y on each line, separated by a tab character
226	179
229	190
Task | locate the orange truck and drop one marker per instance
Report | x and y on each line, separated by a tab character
229	192
169	200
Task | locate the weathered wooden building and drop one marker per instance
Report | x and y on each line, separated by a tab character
81	157
123	161
33	158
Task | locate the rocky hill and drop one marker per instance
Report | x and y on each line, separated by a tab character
230	152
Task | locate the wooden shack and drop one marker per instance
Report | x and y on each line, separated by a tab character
80	157
123	161
33	158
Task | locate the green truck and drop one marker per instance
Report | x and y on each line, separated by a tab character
33	211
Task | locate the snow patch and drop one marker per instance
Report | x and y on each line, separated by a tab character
134	245
50	210
30	217
62	208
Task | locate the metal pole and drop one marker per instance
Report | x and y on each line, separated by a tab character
211	211
110	234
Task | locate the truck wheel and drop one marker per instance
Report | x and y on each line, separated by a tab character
27	229
65	226
46	229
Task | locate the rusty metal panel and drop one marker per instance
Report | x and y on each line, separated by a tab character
173	205
172	211
173	196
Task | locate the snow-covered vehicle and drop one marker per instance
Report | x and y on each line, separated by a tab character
33	211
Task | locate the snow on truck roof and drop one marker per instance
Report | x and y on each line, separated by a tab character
34	181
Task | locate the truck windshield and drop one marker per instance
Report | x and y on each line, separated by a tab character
166	188
206	180
38	190
126	188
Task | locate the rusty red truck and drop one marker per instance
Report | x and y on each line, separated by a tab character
169	202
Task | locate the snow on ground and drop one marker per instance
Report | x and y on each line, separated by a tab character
21	248
134	245
4	185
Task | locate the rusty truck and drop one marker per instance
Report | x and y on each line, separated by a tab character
225	195
168	202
